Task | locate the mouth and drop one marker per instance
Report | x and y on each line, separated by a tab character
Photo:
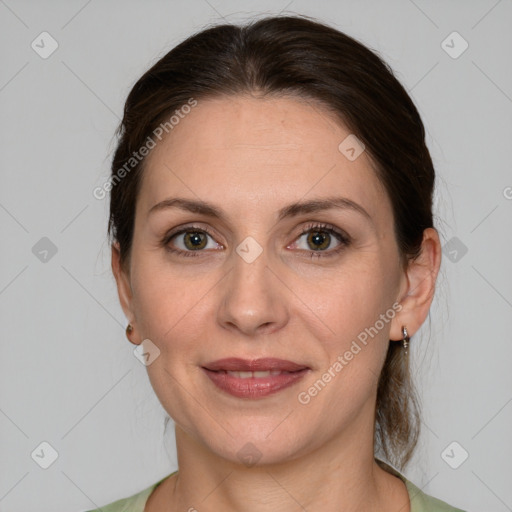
237	364
256	378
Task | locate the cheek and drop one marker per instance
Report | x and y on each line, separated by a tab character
160	297
172	311
168	313
358	310
356	296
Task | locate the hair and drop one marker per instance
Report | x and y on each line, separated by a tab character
298	56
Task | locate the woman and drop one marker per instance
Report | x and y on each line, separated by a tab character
274	252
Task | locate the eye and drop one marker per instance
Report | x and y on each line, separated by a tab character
192	240
189	241
319	238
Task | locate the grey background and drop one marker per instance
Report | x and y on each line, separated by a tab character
68	375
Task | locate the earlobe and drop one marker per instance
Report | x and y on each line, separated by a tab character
421	276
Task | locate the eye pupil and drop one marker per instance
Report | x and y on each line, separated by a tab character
319	237
196	238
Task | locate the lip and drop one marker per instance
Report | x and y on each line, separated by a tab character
237	364
254	387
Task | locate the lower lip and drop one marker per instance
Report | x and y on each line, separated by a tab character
254	387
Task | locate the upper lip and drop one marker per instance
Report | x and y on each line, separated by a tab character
254	365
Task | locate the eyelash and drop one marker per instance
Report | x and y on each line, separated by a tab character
326	228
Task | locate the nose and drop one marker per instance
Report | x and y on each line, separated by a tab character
253	297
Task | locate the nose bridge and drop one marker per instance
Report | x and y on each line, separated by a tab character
252	298
250	262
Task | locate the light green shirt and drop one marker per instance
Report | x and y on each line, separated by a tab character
420	502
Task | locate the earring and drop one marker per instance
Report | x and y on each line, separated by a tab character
129	330
405	338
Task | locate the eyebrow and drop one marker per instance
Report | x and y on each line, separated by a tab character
292	210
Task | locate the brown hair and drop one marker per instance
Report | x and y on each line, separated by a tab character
296	55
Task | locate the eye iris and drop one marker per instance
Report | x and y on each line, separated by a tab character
320	237
197	240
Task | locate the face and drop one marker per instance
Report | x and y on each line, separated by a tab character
261	280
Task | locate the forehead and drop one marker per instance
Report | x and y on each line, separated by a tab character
274	125
248	150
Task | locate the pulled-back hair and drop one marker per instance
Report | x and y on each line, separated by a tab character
292	55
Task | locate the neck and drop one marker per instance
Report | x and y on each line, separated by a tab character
340	475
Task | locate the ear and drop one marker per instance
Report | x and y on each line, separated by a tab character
417	292
124	288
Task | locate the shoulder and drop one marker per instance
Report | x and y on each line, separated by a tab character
421	502
134	503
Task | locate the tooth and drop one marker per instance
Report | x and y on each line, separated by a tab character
258	374
265	373
241	375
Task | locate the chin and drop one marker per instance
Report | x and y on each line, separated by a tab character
255	454
256	445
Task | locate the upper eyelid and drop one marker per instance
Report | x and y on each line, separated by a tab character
185	229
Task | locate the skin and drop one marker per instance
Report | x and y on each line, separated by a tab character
251	157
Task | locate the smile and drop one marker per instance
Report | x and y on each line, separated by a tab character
253	379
